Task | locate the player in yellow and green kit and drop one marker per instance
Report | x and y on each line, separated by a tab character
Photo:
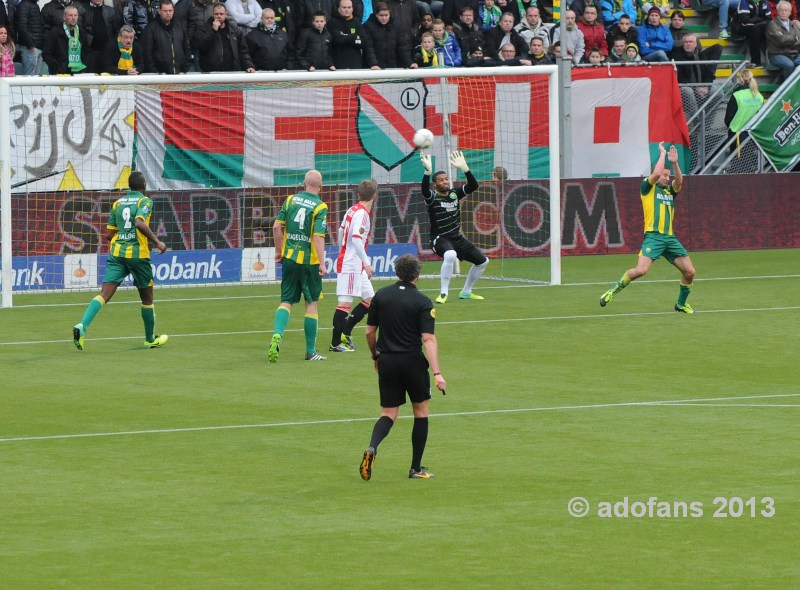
299	234
128	232
658	201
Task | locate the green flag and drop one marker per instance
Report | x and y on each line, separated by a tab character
776	128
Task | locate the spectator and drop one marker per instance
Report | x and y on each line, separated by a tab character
554	50
617	52
614	10
537	53
222	45
314	45
467	31
575	46
783	40
792	16
139	13
425	55
624	28
516	8
64	49
7	51
389	44
507	56
595	56
503	34
165	44
198	15
307	8
352	48
743	104
121	54
594	35
6	18
452	10
532	26
404	14
284	16
488	15
632	54
697	77
53	14
99	22
655	40
30	31
425	24
447	45
751	22
676	27
268	45
247	14
725	7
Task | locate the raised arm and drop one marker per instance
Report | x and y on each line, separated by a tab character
677	182
659	167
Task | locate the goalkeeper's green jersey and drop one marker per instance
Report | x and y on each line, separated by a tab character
129	242
659	207
303	216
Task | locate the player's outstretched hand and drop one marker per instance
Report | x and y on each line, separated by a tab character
427	165
458	161
661	149
673	154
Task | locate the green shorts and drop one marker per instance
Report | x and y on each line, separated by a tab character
656	245
300	279
118	268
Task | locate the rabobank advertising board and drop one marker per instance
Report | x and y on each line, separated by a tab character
184	267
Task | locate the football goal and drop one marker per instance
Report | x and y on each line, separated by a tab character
220	153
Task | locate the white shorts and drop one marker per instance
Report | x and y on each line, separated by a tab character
354	284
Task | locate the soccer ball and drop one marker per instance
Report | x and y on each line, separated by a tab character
423	138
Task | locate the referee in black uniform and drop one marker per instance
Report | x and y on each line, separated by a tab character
400	323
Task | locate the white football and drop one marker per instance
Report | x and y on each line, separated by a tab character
423	138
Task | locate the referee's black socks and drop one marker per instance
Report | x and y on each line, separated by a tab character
380	431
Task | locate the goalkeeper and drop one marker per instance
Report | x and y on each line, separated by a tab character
445	215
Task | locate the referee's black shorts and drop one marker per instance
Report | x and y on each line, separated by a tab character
400	373
465	250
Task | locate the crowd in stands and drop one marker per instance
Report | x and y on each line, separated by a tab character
127	37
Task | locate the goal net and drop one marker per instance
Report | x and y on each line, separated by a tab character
220	153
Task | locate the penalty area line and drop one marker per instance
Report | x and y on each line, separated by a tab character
685	402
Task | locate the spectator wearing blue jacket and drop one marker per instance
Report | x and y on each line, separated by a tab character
447	45
655	39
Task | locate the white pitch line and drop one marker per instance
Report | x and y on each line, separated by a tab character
736	405
440	323
660	403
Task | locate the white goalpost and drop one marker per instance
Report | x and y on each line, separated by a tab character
220	153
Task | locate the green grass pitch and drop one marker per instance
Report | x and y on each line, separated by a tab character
200	465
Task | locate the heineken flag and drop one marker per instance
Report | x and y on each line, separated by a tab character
776	128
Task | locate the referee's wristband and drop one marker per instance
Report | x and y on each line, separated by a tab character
375	356
436	374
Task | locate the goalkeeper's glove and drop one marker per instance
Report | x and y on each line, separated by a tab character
426	163
458	161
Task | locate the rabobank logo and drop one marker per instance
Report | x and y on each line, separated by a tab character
381	256
198	266
36	272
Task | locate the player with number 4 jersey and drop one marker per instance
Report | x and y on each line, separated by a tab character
353	268
299	237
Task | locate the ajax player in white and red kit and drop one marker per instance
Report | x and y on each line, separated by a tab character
353	268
